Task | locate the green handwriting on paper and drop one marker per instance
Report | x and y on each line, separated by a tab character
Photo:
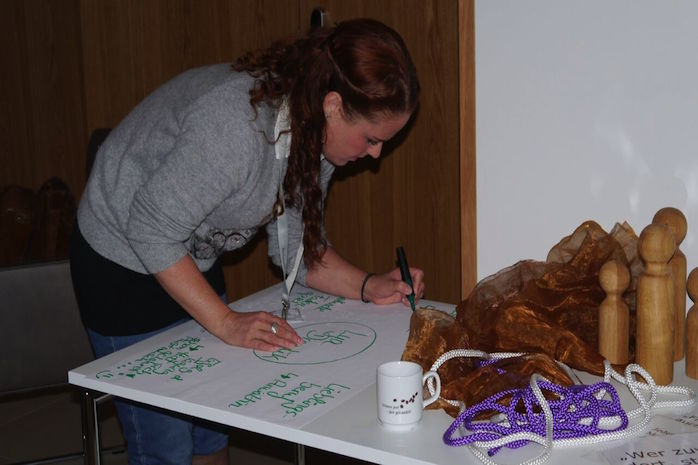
321	303
305	395
293	395
173	361
324	343
303	299
255	396
327	306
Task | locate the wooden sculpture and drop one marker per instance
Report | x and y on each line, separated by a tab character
655	305
692	327
614	315
675	220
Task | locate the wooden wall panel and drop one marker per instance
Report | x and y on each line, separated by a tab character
131	46
42	119
14	133
410	196
468	188
70	66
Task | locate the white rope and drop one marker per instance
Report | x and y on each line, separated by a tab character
644	410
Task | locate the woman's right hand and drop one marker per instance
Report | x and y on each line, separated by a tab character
253	330
185	283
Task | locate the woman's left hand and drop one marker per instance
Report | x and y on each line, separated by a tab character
389	288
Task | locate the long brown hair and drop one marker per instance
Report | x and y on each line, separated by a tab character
363	60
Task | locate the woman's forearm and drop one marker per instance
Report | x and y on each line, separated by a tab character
336	276
187	286
255	330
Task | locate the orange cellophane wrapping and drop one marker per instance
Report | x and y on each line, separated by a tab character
548	310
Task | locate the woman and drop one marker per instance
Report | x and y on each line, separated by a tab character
202	163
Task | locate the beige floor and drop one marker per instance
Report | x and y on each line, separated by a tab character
33	427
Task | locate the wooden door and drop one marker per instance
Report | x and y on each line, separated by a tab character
41	106
411	195
468	188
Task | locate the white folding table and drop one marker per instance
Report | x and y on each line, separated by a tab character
321	394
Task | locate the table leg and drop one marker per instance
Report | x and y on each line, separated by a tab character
90	429
299	455
90	426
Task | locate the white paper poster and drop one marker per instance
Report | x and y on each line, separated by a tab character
288	386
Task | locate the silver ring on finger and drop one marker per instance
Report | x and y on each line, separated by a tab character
273	328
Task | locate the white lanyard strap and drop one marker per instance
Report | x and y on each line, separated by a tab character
282	147
289	277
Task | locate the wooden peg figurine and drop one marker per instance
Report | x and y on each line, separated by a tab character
675	220
692	327
614	316
655	305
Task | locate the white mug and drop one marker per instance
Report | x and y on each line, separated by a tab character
399	388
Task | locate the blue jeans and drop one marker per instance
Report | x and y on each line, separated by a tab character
156	436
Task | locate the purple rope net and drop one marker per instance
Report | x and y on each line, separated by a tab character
576	411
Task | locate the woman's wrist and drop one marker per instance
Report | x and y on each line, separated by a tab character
222	324
363	287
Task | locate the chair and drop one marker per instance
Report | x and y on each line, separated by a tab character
43	335
43	338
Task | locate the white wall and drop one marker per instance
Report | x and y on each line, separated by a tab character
585	110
